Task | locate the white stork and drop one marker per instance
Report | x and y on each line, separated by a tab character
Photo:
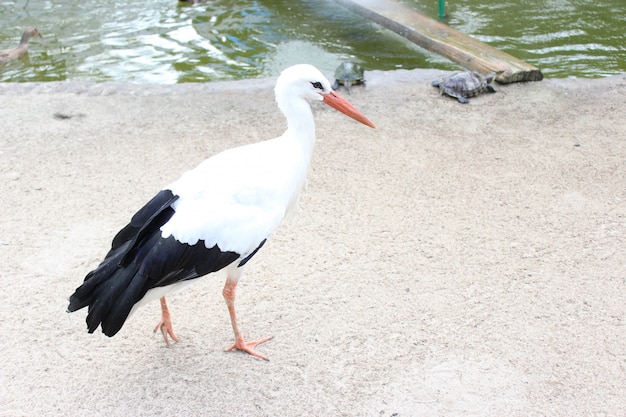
216	216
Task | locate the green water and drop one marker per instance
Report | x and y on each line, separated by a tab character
165	42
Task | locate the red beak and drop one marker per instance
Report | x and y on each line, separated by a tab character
337	102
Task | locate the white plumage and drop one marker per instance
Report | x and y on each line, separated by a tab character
258	184
214	217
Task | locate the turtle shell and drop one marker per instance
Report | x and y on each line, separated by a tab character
348	74
463	85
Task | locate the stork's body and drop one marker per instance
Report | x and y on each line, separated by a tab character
216	216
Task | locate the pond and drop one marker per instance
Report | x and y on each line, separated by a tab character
167	41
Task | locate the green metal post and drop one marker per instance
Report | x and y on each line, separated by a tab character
442	9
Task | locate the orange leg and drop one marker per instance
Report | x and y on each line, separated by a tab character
165	325
240	344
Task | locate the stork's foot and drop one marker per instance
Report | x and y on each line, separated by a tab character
249	347
165	325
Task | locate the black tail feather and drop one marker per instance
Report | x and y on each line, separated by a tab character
103	287
106	296
119	312
84	295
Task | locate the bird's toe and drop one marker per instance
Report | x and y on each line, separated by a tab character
250	347
165	326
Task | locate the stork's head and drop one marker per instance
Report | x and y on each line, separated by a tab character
307	82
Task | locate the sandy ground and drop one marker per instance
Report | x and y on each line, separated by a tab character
460	260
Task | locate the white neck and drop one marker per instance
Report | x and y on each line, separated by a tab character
300	122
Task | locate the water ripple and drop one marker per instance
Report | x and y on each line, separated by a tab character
163	41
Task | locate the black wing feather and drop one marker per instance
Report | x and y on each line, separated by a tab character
148	219
141	259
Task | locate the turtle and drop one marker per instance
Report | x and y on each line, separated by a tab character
348	74
462	85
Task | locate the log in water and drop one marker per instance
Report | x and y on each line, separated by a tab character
444	40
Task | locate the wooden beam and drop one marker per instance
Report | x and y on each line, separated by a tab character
444	40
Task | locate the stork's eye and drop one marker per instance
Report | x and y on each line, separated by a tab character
317	85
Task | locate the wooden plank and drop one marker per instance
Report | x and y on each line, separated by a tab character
444	40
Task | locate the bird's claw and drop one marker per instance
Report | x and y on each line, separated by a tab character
167	331
249	347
